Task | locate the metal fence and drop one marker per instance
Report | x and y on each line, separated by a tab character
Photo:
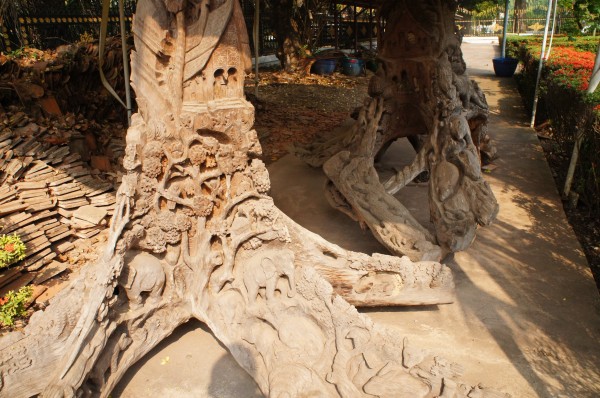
348	25
60	23
345	33
63	22
494	27
339	28
267	44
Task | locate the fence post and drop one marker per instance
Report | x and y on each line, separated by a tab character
541	65
355	28
256	44
125	61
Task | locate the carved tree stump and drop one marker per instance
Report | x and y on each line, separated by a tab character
195	235
421	91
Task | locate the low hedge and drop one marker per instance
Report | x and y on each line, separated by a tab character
565	104
582	43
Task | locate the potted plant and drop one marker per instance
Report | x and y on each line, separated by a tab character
505	66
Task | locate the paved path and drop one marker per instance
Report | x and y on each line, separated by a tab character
527	318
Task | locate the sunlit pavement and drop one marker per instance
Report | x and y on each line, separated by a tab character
526	320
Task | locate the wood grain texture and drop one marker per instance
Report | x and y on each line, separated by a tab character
194	234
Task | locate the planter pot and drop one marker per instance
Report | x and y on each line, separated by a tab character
505	67
324	66
353	66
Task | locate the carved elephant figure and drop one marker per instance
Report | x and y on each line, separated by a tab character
264	269
142	273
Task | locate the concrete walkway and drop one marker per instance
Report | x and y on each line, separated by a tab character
527	317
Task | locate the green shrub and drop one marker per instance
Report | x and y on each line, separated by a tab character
13	305
564	102
12	249
515	44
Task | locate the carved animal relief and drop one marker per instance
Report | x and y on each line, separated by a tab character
195	235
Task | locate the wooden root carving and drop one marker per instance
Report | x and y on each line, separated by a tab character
195	235
420	90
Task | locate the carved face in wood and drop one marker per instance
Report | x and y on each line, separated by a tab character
225	70
222	76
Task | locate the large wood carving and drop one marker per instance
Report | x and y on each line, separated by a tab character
421	92
195	235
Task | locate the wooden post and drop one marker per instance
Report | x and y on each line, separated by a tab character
370	29
336	26
256	38
355	28
125	61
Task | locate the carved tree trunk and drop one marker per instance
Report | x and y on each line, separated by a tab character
287	34
195	235
421	90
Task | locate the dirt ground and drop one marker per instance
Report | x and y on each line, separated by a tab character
293	109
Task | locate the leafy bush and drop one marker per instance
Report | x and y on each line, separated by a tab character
515	44
565	103
12	249
13	305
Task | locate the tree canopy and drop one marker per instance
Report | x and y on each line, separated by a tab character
587	13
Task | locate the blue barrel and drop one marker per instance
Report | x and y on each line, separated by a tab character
353	66
505	67
324	66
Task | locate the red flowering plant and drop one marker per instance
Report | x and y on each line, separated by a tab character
12	249
570	68
571	109
565	103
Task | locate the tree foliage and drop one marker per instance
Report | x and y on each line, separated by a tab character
587	14
479	4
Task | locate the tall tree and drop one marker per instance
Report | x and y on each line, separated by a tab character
587	14
298	25
519	15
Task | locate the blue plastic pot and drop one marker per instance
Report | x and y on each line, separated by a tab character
324	66
505	67
352	66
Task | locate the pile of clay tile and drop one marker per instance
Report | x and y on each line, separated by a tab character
65	78
50	196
